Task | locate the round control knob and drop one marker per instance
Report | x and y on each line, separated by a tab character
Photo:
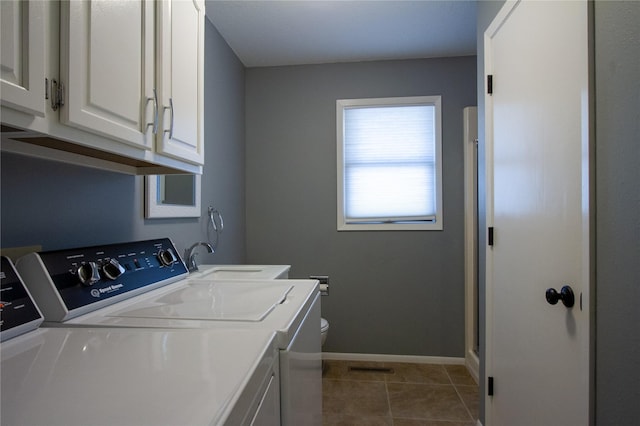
112	269
88	273
167	258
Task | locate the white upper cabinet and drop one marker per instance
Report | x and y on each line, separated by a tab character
107	55
125	83
179	73
22	53
115	88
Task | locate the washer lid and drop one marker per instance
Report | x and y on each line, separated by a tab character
213	300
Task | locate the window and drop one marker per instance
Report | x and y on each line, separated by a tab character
389	164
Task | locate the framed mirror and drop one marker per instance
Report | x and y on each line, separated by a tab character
172	196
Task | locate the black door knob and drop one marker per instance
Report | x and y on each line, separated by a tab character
566	295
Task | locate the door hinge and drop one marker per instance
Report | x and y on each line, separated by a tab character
490	236
490	386
490	84
57	94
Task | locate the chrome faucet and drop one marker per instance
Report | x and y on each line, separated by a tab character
190	255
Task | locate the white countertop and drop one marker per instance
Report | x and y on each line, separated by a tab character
101	376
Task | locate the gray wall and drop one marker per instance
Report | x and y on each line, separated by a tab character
391	292
617	62
617	99
59	206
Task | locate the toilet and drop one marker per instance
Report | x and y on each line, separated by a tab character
324	329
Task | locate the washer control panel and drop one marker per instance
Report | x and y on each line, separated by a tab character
100	275
18	313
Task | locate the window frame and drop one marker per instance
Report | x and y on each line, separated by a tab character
341	105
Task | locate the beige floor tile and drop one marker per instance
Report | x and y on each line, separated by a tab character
387	371
414	394
428	402
471	399
355	370
351	420
417	422
417	373
460	375
359	398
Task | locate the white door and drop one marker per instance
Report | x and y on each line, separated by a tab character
22	81
180	71
107	52
538	202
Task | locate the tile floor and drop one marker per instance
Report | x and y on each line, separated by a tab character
397	394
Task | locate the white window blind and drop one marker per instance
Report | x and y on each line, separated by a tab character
388	153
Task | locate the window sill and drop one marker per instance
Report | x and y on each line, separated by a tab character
391	227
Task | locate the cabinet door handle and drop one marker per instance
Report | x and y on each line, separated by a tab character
170	108
57	94
155	112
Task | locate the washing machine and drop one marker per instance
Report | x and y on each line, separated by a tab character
107	376
117	296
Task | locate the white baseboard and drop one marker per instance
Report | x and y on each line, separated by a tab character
393	358
473	365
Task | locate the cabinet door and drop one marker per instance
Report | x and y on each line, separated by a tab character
22	55
107	59
180	77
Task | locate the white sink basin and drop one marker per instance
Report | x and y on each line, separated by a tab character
226	273
241	272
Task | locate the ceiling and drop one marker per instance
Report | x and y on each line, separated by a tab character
294	32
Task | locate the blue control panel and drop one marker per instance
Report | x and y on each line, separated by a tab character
88	275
